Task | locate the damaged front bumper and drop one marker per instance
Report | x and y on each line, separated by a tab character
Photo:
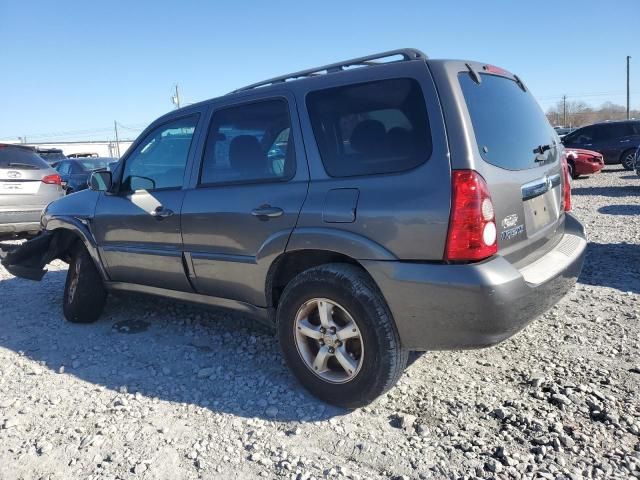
29	259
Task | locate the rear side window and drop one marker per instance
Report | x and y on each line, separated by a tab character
612	131
371	128
249	143
20	158
507	121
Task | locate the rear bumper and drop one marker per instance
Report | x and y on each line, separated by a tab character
16	220
443	307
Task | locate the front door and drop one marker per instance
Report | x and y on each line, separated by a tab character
245	202
137	227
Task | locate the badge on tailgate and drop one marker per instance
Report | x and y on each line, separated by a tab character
510	227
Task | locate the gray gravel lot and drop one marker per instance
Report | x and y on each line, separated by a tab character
157	389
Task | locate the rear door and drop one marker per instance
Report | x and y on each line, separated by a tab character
521	162
137	227
246	197
612	139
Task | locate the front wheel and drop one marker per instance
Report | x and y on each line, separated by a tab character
84	292
338	336
572	170
628	159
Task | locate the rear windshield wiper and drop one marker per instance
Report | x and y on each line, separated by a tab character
22	165
540	149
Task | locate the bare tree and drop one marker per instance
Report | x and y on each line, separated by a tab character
579	113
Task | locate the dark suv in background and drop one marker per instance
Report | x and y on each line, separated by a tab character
617	141
365	209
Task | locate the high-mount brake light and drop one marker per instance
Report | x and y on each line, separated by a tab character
496	70
472	232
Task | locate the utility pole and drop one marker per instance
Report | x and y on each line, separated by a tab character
176	97
564	111
628	111
115	127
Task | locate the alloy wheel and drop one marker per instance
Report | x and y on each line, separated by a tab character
328	340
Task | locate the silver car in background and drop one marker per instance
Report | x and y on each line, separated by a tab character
27	185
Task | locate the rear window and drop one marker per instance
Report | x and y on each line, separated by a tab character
507	121
20	158
371	128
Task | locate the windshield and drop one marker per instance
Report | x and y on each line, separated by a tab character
20	158
510	128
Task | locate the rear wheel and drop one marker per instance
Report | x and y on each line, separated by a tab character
628	159
338	336
84	292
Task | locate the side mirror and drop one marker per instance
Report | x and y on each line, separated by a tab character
100	181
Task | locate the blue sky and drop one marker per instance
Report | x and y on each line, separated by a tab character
75	66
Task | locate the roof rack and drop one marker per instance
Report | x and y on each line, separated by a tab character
369	60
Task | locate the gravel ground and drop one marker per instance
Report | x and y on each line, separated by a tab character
157	389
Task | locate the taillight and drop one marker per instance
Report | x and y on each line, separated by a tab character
566	185
472	226
53	179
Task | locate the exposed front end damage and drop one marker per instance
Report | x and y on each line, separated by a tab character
29	259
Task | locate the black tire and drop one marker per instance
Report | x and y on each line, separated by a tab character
627	159
384	360
84	292
572	170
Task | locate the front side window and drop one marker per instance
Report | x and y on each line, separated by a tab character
584	135
159	161
249	143
371	128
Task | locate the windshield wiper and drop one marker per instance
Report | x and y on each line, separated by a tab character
18	164
540	149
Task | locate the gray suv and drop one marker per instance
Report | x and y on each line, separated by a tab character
365	209
27	185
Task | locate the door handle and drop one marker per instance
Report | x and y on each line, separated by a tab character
161	213
625	141
265	212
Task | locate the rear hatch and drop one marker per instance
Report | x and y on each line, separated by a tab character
521	162
21	175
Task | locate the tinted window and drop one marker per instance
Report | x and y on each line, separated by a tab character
20	158
91	165
64	168
160	159
581	136
249	143
53	156
610	131
370	128
507	121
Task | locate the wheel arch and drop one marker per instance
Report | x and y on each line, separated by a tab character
626	152
73	230
291	263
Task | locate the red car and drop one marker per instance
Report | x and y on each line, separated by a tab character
583	162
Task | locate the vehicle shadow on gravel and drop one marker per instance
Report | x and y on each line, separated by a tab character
620	210
159	348
624	191
603	258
